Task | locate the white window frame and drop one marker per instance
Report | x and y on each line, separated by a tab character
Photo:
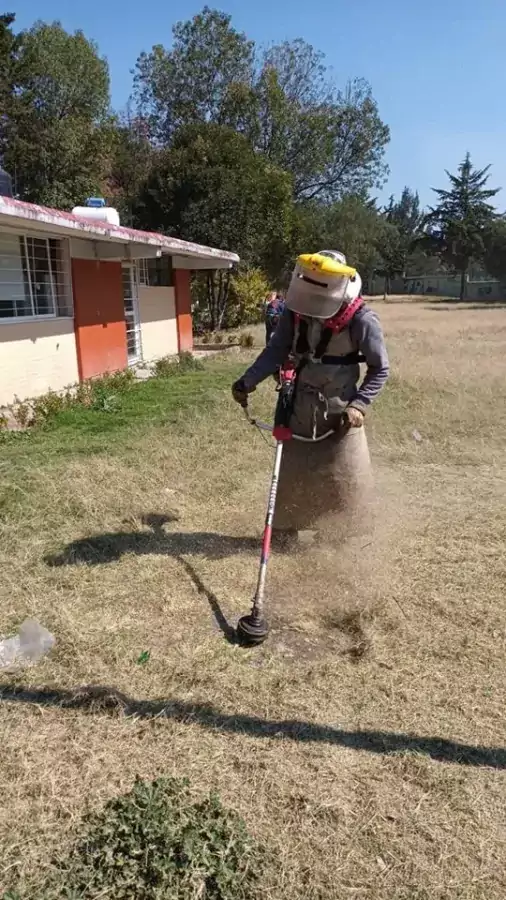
142	267
133	277
142	272
23	237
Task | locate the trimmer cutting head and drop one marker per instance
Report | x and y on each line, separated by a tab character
252	630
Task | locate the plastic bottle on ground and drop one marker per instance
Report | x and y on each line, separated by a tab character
27	647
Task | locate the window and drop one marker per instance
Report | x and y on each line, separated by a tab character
33	279
155	272
142	269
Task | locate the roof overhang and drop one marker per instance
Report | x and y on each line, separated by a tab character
105	241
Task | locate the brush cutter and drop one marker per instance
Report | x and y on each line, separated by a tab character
253	629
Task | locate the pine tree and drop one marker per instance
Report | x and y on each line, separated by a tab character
456	226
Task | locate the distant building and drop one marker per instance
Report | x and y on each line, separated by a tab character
477	288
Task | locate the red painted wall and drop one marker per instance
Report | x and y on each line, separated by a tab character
183	309
99	317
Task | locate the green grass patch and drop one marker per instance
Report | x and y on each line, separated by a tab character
119	415
155	843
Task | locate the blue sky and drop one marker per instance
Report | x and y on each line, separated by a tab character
437	68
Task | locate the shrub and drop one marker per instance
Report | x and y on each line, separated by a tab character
97	393
155	843
246	339
248	290
242	303
169	366
218	338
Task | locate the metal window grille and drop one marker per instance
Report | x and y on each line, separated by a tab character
132	320
34	277
155	272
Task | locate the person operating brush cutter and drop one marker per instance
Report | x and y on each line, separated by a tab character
324	333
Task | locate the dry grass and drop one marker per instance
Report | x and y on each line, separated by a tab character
365	742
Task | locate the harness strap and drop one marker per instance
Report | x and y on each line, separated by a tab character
350	359
331	326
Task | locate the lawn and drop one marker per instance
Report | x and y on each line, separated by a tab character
364	743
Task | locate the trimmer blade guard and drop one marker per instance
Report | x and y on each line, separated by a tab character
252	630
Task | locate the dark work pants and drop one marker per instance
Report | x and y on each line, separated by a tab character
270	328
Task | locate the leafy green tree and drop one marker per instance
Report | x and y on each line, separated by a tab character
8	46
355	226
390	247
195	81
398	235
352	225
56	134
331	142
405	213
456	225
211	187
494	257
132	158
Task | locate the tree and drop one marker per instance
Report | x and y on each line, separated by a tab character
8	43
398	236
406	215
194	81
494	257
211	187
391	253
56	135
132	157
456	226
351	225
331	142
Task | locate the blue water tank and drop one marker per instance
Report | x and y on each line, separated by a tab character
95	202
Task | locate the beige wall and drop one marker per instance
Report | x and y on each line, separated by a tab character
36	357
157	311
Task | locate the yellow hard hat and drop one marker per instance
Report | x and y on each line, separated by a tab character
325	265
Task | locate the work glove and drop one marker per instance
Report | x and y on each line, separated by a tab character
240	392
353	417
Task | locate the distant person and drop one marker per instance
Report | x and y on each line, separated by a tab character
274	309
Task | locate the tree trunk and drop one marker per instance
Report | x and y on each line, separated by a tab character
463	276
211	301
218	283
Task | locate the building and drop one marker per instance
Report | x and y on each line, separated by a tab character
80	297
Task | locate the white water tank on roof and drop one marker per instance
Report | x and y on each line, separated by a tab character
95	208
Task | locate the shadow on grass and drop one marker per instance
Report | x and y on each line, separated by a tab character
100	700
226	629
105	548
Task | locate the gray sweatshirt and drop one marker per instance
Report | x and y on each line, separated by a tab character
366	336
